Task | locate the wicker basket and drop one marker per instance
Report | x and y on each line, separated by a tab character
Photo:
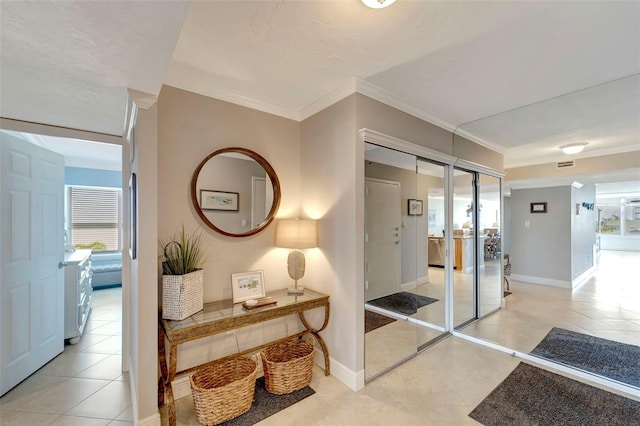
182	295
224	390
287	366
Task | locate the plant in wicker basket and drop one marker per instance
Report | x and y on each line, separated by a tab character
182	276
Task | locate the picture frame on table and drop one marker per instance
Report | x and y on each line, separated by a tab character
219	200
247	285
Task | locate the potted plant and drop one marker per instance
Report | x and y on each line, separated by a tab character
182	275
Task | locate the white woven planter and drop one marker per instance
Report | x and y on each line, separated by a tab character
182	295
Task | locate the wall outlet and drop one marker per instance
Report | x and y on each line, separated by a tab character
527	224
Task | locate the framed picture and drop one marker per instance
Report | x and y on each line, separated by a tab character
538	207
218	200
414	207
247	285
133	216
432	217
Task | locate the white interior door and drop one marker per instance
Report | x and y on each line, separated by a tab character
382	238
258	201
32	281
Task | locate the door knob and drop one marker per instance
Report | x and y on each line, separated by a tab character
62	265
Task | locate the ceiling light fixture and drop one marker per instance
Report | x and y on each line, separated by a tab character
573	148
378	4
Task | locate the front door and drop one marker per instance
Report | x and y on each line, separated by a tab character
382	238
31	252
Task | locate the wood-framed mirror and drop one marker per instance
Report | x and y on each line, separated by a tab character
235	191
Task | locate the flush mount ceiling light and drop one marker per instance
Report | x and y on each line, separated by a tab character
378	4
573	148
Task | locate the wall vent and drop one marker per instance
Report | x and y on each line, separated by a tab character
564	164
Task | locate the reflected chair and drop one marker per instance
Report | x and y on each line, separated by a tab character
507	269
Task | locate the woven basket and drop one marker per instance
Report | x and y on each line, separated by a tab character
224	390
182	295
287	366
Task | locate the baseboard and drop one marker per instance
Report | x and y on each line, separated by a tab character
584	276
181	387
543	281
413	284
353	380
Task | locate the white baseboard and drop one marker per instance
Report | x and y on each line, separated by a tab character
413	284
584	276
181	387
543	281
353	380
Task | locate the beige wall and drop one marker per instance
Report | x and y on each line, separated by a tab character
586	166
192	126
375	115
331	165
465	149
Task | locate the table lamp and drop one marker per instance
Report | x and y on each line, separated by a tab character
296	234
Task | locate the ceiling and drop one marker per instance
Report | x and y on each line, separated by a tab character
511	75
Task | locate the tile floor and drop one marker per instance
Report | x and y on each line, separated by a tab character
440	386
84	385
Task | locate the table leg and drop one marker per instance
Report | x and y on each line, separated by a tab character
315	333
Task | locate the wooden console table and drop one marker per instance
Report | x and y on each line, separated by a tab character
219	317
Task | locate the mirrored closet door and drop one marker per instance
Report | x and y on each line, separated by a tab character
404	299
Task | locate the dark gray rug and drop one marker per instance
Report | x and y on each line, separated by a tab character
373	320
404	303
266	404
532	396
614	360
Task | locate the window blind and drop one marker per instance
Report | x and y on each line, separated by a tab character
95	218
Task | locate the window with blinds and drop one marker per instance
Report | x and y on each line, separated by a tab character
95	218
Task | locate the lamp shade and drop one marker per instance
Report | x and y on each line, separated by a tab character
296	233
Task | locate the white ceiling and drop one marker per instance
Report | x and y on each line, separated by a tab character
496	71
69	63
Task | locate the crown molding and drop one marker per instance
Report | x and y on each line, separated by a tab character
368	89
498	148
141	99
329	99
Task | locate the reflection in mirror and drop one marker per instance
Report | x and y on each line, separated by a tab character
235	192
490	245
404	307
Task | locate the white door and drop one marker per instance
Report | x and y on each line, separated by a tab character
258	201
31	278
382	238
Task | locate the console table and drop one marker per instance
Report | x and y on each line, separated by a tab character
219	317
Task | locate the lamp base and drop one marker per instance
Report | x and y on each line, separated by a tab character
295	291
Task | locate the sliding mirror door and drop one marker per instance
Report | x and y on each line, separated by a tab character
490	245
404	310
465	304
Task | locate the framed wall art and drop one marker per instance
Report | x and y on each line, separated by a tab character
218	200
414	207
540	207
247	285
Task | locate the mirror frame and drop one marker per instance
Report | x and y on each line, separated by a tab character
267	168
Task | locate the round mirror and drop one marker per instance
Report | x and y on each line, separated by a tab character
236	192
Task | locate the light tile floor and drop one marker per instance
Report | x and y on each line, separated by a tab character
84	385
440	386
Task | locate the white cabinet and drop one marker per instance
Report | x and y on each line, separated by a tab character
77	293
